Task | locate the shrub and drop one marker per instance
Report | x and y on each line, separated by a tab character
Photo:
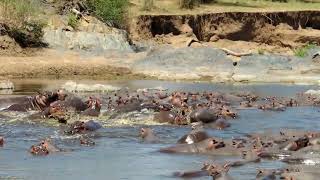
147	5
28	35
73	20
303	51
21	17
109	11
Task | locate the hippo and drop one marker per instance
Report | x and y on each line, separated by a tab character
203	115
82	127
218	172
212	146
219	124
43	148
165	117
195	136
55	112
170	117
147	135
266	174
72	102
85	141
94	107
38	102
194	174
1	141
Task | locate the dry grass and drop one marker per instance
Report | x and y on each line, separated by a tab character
171	7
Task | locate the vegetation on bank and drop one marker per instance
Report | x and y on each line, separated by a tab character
22	21
303	51
109	11
177	7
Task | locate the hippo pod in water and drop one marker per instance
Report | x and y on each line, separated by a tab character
212	146
43	148
82	127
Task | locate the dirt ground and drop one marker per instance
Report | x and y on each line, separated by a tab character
46	63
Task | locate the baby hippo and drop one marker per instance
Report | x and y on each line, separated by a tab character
1	141
147	135
43	148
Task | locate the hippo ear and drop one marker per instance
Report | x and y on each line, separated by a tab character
259	172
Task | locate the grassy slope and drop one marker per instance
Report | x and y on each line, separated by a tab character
170	7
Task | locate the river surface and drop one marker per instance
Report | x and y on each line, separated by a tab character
120	154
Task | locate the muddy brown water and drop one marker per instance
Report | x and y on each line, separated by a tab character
119	153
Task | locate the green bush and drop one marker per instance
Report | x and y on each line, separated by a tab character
109	11
28	35
303	51
147	5
73	21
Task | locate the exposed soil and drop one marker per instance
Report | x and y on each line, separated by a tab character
277	29
67	65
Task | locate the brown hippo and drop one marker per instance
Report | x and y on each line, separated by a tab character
94	107
1	141
80	127
194	174
195	136
203	115
219	124
219	172
43	148
212	146
165	117
147	135
38	102
72	102
267	174
85	141
53	111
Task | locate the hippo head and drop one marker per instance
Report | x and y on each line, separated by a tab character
40	149
144	132
217	170
94	103
76	127
266	174
226	112
57	112
86	141
215	144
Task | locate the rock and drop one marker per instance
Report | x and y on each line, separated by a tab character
72	86
186	63
6	84
88	41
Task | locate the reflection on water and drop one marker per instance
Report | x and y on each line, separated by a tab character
119	153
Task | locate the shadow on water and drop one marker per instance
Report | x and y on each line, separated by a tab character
120	154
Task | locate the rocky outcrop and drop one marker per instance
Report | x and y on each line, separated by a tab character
213	64
89	36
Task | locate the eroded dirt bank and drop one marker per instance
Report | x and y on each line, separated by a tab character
282	29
